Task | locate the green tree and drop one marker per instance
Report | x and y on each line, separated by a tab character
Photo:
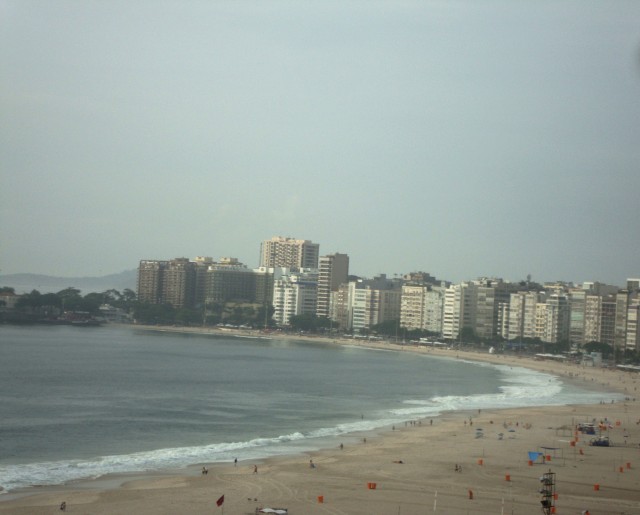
264	316
92	302
188	316
604	348
390	328
127	300
307	322
71	299
468	335
29	301
323	323
112	297
155	314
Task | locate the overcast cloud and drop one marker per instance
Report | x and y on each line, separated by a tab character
461	138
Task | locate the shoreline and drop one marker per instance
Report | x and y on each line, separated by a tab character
426	451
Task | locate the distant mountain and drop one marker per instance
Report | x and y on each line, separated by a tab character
24	283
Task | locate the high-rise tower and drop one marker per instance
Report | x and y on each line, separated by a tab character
334	270
289	253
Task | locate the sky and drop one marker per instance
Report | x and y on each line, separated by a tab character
461	138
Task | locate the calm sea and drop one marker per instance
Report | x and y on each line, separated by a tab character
83	402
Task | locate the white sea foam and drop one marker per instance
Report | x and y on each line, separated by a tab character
523	387
13	477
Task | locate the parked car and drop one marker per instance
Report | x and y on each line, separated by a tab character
601	441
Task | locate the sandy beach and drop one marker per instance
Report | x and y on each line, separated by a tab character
409	470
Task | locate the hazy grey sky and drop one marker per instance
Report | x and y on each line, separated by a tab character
461	138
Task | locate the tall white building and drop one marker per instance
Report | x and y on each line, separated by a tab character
593	319
421	307
522	314
412	306
475	306
631	315
452	312
556	323
294	293
632	342
371	302
433	309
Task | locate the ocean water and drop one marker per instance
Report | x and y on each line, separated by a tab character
80	403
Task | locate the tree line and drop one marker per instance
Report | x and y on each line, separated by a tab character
35	306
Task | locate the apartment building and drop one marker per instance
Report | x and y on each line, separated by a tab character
202	264
633	316
412	311
167	282
556	319
632	342
540	320
149	281
433	309
264	284
593	319
521	316
229	280
178	286
289	253
421	307
577	298
623	298
333	271
608	320
476	305
190	284
294	293
452	312
489	295
339	307
363	303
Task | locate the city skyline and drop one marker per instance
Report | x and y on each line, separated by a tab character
223	259
462	139
483	308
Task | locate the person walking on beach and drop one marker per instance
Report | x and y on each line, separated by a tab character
235	462
255	469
